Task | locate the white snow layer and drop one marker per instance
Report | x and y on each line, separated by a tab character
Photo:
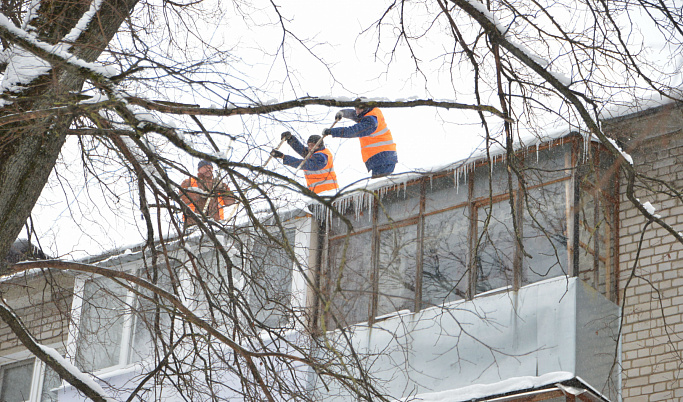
626	156
86	379
649	208
24	67
483	390
83	23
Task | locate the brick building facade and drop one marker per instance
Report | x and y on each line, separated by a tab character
652	285
41	304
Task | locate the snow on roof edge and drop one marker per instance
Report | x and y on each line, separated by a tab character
642	105
110	256
28	273
478	391
478	154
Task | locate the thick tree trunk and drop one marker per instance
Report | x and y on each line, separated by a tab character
29	149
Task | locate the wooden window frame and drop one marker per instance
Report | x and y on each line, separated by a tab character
573	164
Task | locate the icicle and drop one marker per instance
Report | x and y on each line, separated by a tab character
320	212
360	204
370	206
586	144
456	180
537	155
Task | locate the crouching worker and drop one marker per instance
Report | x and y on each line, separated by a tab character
318	168
205	195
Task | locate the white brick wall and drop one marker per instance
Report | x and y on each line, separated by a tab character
652	343
42	306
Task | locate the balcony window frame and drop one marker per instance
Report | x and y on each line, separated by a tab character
571	176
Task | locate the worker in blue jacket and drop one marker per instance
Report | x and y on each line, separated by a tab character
318	168
376	143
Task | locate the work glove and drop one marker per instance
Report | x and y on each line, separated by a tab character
327	131
277	154
339	115
286	136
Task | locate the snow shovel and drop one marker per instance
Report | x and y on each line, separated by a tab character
317	144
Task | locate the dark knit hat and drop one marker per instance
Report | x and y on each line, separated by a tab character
364	108
314	140
203	162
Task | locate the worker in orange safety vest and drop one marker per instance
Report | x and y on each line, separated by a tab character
196	192
318	168
376	143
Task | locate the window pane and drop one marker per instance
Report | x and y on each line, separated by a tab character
496	247
209	288
399	204
444	265
608	248
270	284
350	280
443	192
604	248
397	251
150	314
596	230
548	164
101	325
499	180
50	381
588	267
545	233
608	171
16	381
601	248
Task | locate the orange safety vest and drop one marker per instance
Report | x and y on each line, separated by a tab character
323	179
379	141
221	202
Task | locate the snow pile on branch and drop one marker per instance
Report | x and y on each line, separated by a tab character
82	24
86	379
626	156
24	67
650	209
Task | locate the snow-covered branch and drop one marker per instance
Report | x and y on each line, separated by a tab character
66	370
53	54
